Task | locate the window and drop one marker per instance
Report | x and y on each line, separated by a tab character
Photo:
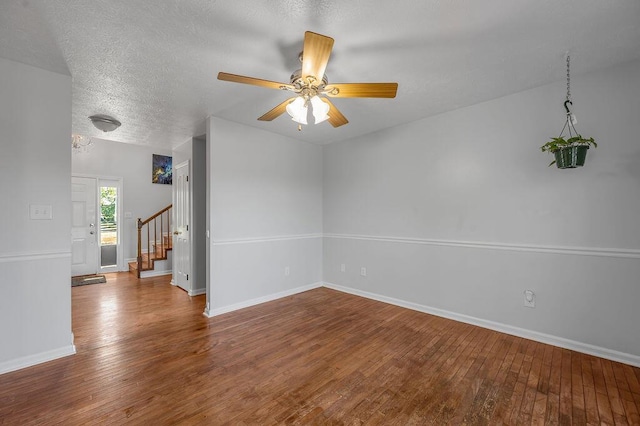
108	225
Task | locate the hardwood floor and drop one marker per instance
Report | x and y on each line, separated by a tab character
147	355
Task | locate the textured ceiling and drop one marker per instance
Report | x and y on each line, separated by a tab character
153	64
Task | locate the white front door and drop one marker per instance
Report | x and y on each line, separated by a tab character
84	247
181	240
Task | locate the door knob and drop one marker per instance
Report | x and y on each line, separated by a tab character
176	233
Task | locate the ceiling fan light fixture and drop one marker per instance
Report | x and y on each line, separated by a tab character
297	109
105	123
307	85
319	109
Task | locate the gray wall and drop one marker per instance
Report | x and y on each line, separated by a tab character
35	255
265	215
199	214
458	214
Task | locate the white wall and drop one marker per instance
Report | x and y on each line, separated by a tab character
458	214
265	214
132	163
35	255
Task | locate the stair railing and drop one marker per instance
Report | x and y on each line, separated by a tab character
161	219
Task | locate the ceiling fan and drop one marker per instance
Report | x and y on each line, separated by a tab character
310	84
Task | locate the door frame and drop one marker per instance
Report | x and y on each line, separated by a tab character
121	220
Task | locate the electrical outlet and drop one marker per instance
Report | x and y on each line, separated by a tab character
529	299
287	271
343	267
363	271
40	212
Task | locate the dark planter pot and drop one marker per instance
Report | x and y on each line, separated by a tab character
571	156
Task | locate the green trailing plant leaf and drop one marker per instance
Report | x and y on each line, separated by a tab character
555	144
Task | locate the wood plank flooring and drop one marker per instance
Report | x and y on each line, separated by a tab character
147	355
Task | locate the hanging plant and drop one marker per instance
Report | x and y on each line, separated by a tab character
569	152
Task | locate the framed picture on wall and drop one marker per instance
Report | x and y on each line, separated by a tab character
162	170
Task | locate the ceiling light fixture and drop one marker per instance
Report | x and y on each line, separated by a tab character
105	123
307	94
298	110
299	107
320	109
80	143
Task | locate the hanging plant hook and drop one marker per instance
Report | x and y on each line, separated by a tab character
566	107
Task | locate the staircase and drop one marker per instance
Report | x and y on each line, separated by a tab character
154	244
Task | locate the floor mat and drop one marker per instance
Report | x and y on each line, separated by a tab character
87	279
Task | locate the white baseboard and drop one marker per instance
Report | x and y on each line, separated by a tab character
30	360
268	298
197	292
503	328
149	274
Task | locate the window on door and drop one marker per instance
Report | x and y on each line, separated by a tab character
108	225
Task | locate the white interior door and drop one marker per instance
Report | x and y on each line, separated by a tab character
84	246
181	240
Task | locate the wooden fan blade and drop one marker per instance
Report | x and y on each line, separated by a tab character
362	90
253	81
335	116
315	55
277	111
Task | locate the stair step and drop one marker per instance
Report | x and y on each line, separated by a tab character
133	267
148	261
